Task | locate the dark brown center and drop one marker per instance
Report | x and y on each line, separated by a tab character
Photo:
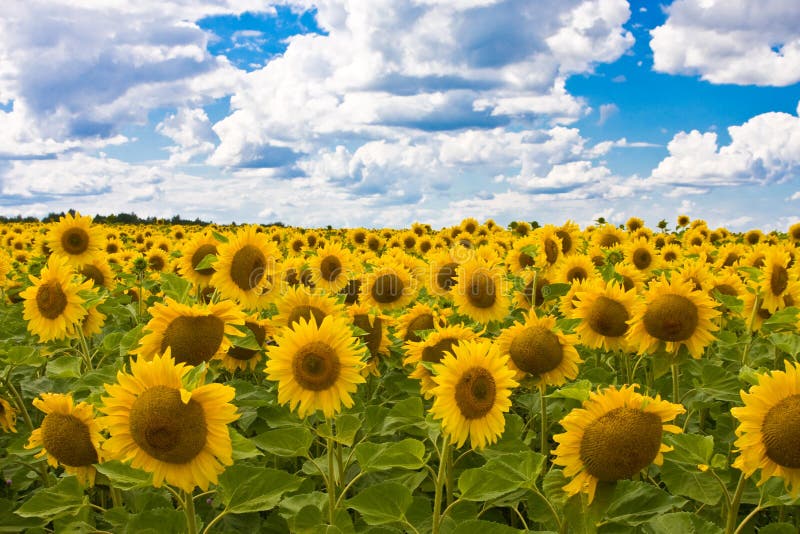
781	432
201	252
75	241
193	340
67	439
536	350
671	318
316	366
247	267
330	268
51	300
475	393
387	288
608	317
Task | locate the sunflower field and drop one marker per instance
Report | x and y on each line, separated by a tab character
477	378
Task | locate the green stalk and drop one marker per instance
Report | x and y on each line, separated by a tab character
676	394
440	477
733	509
331	481
188	508
545	442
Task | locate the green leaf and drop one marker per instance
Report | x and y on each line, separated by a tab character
730	301
246	341
130	340
243	448
244	489
406	413
64	367
554	291
500	476
123	476
23	356
405	454
634	503
787	342
578	390
65	498
219	237
208	261
196	377
484	527
778	528
288	442
10	522
385	502
682	522
781	319
156	521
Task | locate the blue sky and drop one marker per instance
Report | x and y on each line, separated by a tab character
387	112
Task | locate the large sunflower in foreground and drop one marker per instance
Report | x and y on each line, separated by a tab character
194	334
69	435
247	269
616	434
769	428
432	350
604	310
75	238
676	314
53	307
472	393
179	436
535	348
480	291
317	367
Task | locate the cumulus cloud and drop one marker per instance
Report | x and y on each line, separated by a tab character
386	67
737	42
765	149
191	131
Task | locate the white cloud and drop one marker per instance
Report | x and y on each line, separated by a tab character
606	112
737	42
765	149
191	131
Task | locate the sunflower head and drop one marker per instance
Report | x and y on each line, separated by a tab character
616	434
8	416
473	389
75	238
480	291
179	436
69	435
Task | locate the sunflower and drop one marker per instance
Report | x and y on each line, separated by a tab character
93	321
247	269
608	236
316	367
567	302
431	350
99	272
730	255
298	302
641	254
549	245
634	223
479	291
158	261
778	280
675	313
179	436
570	234
376	334
75	238
752	237
244	358
332	267
632	278
69	435
604	311
671	253
419	317
727	282
530	296
473	389
389	286
573	268
616	434
794	233
357	236
683	220
8	416
769	428
53	306
442	269
537	349
192	253
522	257
194	334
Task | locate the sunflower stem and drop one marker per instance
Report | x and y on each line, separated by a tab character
440	477
449	482
676	393
87	357
545	441
733	509
331	481
188	508
750	323
116	496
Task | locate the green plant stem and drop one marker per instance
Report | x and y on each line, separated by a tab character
331	481
214	521
676	392
347	488
87	356
747	519
116	496
188	508
545	442
750	323
440	477
449	482
42	466
733	509
553	511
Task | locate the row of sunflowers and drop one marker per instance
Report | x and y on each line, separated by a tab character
215	378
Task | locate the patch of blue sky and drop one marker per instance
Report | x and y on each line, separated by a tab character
652	107
249	41
144	143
